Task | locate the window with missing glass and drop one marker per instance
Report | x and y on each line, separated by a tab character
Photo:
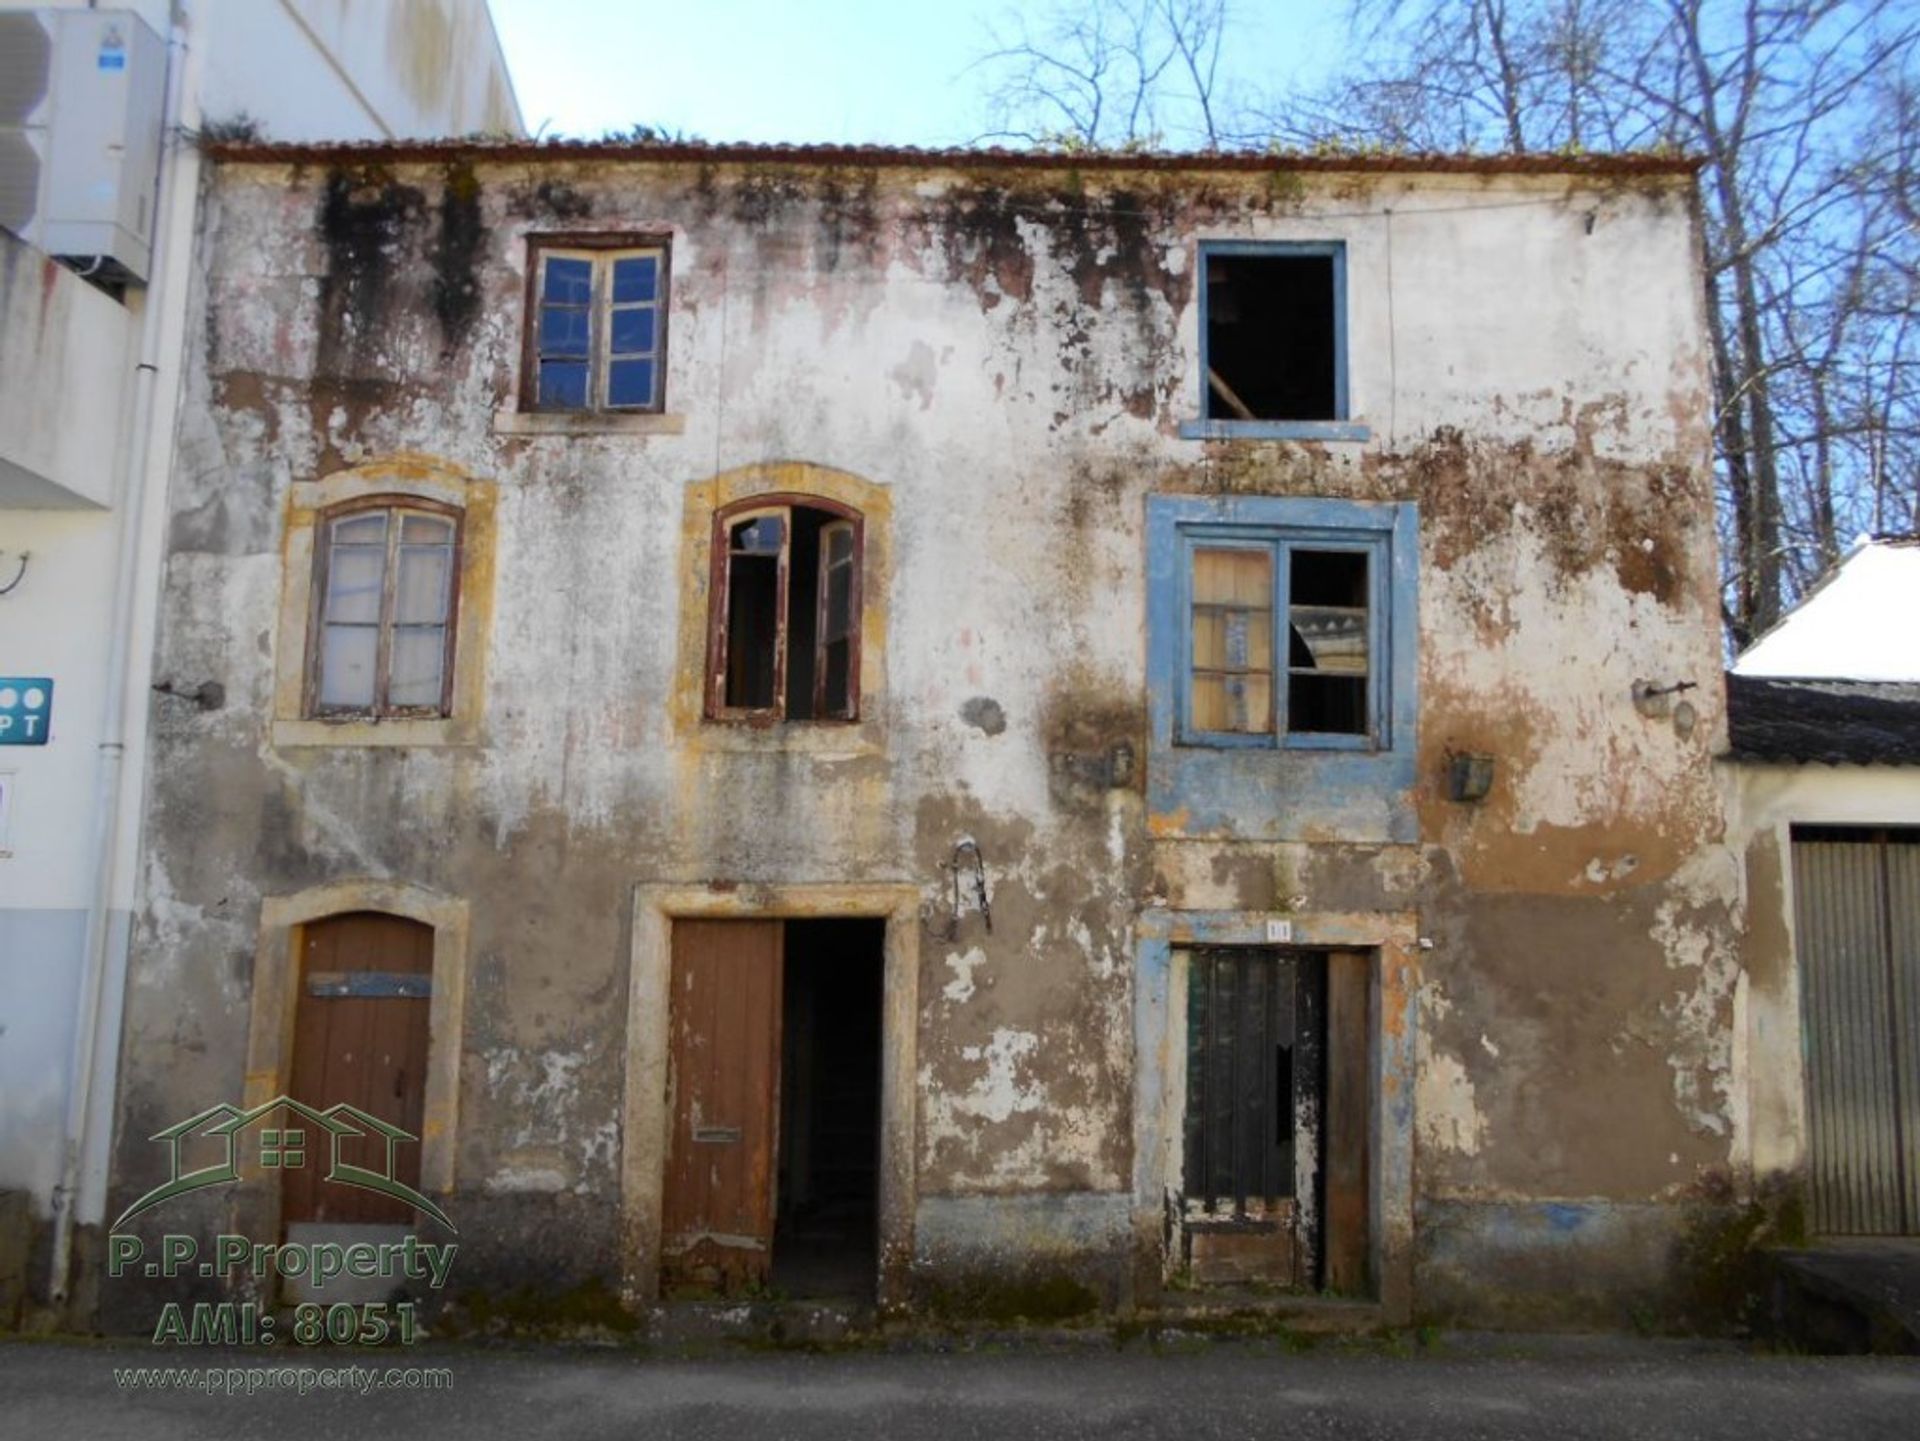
783	637
597	325
1273	342
1283	639
385	592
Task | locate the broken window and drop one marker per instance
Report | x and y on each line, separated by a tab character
597	336
1281	639
1273	344
784	642
383	619
1327	641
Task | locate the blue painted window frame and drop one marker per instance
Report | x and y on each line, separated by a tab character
1339	425
1278	792
1280	541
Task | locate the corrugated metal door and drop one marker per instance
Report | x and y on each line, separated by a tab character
1857	936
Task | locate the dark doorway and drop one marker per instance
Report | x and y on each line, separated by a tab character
826	1228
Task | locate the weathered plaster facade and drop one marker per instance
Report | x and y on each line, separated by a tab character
992	362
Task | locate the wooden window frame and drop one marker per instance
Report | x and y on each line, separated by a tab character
397	504
602	248
720	598
1280	542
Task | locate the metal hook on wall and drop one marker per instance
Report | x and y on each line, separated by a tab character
966	857
19	574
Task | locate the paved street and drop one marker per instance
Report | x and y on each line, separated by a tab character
1534	1390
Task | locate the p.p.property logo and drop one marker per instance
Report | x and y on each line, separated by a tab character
280	1136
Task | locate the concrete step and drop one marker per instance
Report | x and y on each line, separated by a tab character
1853	1296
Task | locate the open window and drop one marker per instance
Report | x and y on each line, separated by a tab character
1273	340
383	624
784	627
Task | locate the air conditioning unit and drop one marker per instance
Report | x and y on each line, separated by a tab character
81	98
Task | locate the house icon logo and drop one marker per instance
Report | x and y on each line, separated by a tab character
298	1136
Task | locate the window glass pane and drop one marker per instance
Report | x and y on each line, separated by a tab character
1232	639
569	280
418	660
636	278
1233	577
1324	639
420	595
367	528
839	601
1240	704
347	657
563	331
633	330
355	577
760	536
840	543
837	692
630	382
420	529
563	384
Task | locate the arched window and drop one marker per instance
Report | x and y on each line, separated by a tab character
384	601
783	634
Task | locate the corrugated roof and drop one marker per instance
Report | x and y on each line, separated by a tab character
677	152
1835	722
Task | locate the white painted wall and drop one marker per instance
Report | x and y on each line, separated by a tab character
62	379
336	69
303	69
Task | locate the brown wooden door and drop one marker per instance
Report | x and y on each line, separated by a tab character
360	1036
717	1223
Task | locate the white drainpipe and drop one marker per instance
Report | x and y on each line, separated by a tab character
147	464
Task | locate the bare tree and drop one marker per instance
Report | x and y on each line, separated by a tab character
1806	114
1802	111
1115	74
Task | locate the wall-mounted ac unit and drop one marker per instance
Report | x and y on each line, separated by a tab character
81	95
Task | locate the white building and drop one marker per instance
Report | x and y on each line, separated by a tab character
100	112
1824	739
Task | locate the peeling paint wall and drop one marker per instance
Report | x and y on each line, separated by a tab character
1002	361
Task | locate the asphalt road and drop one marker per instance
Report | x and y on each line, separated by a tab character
1492	1390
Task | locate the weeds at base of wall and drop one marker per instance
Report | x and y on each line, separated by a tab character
589	1312
1721	1260
1041	1297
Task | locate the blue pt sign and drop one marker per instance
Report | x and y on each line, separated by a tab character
26	706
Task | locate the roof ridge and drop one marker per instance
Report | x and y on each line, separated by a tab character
244	150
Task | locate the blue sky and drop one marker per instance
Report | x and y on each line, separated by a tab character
829	70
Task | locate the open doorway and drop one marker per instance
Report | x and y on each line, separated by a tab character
826	1226
773	1167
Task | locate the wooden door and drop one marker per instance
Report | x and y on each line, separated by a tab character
360	1036
717	1219
1256	1087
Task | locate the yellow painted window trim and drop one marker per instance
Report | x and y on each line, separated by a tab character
403	477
